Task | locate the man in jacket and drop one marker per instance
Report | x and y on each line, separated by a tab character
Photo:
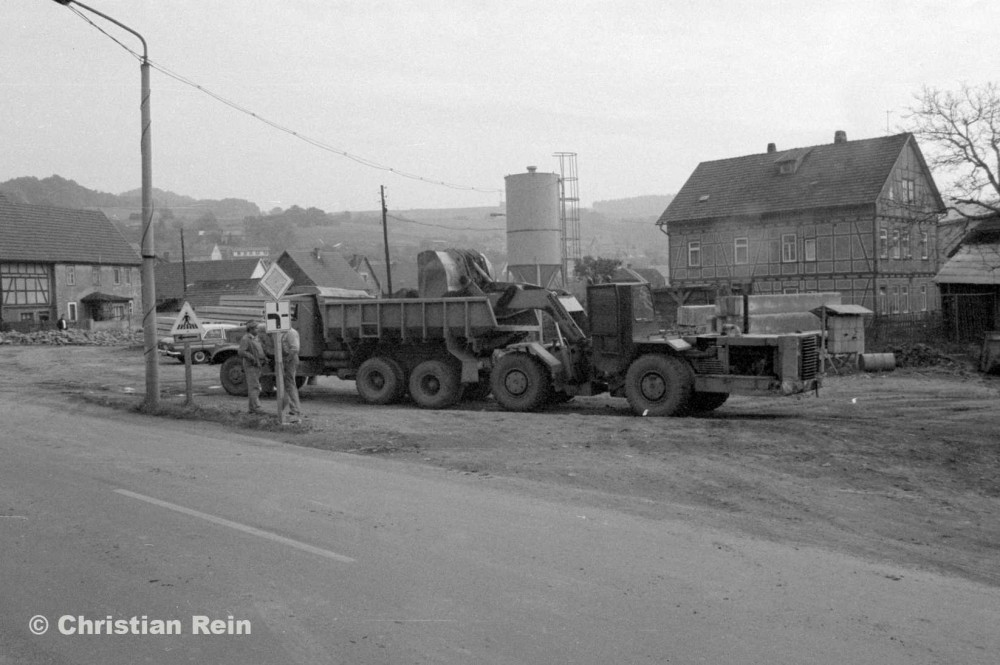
252	354
290	367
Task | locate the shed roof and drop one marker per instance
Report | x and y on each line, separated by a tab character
974	263
318	268
825	176
47	234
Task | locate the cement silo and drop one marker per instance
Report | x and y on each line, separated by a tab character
534	233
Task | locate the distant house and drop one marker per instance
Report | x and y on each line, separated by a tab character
364	268
970	282
858	217
62	262
309	268
175	282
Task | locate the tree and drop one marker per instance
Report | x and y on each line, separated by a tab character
596	270
962	129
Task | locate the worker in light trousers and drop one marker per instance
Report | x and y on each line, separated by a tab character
290	367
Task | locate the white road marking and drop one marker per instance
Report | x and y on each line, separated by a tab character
239	527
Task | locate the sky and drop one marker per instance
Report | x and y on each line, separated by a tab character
318	103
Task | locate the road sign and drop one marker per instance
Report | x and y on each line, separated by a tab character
275	282
277	317
187	326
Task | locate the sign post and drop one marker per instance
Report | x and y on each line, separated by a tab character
277	320
186	329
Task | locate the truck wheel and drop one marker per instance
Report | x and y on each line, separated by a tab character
199	357
435	384
380	381
657	385
232	377
520	382
705	402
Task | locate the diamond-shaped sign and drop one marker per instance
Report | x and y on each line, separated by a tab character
275	282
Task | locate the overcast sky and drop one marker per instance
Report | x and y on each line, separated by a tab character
462	92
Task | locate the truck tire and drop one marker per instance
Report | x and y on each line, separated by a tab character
705	402
658	385
435	384
380	381
199	357
520	382
232	377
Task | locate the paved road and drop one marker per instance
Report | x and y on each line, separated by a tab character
335	558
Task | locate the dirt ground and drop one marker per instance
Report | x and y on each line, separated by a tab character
900	466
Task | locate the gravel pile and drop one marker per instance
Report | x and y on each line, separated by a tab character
76	337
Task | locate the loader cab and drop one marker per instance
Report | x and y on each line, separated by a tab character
619	315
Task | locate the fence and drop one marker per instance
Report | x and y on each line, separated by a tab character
884	331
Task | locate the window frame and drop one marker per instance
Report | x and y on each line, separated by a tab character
809	249
894	245
71	312
70	275
883	243
789	247
694	254
924	245
741	246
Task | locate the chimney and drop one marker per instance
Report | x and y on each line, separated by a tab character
840	136
772	148
318	254
532	169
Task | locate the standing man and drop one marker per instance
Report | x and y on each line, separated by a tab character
252	354
290	359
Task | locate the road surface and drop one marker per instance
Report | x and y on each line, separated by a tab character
320	557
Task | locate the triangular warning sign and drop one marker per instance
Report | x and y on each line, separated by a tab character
187	323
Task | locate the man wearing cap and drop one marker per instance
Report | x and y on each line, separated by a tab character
252	354
290	360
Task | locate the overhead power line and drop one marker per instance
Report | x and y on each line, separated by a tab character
364	161
442	226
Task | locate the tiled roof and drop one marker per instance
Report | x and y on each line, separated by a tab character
975	263
311	268
170	276
829	175
47	234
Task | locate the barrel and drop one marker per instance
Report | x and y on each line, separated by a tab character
877	362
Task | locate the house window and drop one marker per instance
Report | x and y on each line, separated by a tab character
71	311
923	297
128	275
894	303
882	301
118	311
741	251
809	249
883	244
923	245
904	299
909	190
694	254
27	316
71	275
788	246
790	289
905	241
117	275
24	284
95	275
895	244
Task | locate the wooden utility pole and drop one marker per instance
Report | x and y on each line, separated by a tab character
385	241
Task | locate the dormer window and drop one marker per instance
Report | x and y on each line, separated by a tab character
703	198
789	161
786	167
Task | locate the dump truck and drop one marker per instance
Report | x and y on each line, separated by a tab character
531	347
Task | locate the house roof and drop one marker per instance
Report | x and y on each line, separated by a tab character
824	176
318	268
973	263
170	276
206	293
47	234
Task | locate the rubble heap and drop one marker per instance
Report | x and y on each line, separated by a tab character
74	337
921	355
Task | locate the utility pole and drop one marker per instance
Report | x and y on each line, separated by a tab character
184	266
385	242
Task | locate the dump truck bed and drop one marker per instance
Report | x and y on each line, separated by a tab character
407	319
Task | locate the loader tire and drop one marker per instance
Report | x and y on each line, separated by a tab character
232	377
520	382
380	381
658	385
435	384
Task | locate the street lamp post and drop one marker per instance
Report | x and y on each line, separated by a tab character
148	253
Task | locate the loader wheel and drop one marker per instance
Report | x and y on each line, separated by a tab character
380	381
435	384
520	382
657	385
705	402
232	377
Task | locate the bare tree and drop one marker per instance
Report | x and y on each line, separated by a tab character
962	130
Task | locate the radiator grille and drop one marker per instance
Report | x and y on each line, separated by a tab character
809	367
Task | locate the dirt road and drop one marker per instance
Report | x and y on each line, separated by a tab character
900	466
